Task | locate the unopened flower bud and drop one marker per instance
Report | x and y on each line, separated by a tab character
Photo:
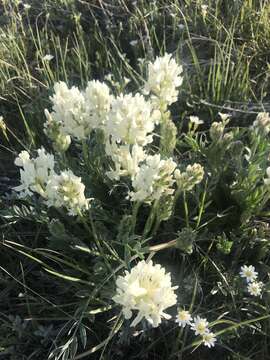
189	178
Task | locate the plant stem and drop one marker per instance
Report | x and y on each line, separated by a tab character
186	209
135	210
201	207
150	220
86	155
163	246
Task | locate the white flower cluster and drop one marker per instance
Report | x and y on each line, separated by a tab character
66	190
52	129
130	126
254	287
128	122
34	173
148	290
188	179
69	111
204	9
198	325
153	179
38	176
131	120
217	128
76	112
267	180
262	123
126	159
164	77
98	103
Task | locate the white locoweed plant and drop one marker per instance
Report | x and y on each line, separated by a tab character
122	183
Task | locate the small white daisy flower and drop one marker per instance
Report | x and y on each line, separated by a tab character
209	339
183	318
47	57
133	42
248	272
255	288
200	326
204	9
195	120
27	6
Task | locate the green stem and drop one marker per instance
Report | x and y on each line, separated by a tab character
201	207
93	228
92	231
86	155
150	220
155	227
135	210
165	115
176	197
87	227
116	327
163	246
186	210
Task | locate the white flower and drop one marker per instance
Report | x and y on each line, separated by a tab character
35	173
70	111
200	326
148	290
224	117
249	273
217	128
247	156
153	179
131	120
255	288
195	120
209	339
204	9
262	123
183	318
133	42
126	81
52	129
164	77
98	102
188	179
267	181
27	6
126	159
3	126
67	190
47	57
